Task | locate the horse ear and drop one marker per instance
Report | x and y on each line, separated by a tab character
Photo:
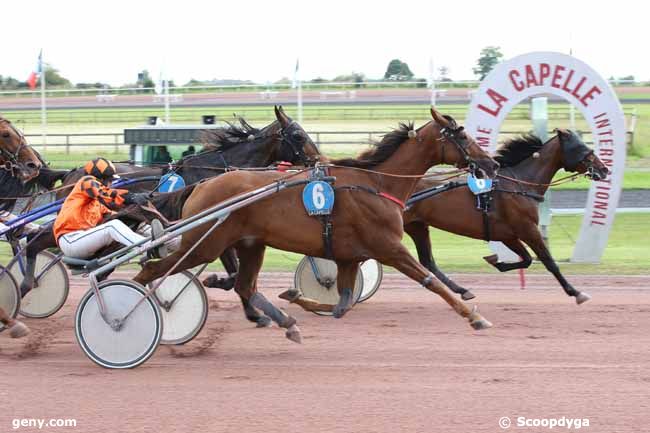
281	116
439	118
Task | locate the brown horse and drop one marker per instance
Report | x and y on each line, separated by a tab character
527	168
19	164
366	219
15	154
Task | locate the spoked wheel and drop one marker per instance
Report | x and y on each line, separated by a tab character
9	295
125	346
50	290
372	275
305	279
184	307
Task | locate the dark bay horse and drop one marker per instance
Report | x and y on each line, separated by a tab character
367	217
527	167
224	148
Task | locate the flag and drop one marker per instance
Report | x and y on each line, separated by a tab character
294	84
33	77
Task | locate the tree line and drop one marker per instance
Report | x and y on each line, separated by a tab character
397	70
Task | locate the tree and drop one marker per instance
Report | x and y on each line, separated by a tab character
54	79
490	57
398	71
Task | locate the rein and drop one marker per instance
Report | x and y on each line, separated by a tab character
560	181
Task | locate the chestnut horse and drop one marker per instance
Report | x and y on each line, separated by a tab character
527	168
366	219
19	166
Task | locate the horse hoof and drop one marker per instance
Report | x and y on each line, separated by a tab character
18	330
493	259
214	282
582	297
477	321
293	334
290	295
263	322
467	295
481	323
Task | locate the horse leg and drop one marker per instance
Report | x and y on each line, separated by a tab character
419	232
17	329
518	248
250	263
538	246
345	279
252	314
397	256
154	269
44	240
229	260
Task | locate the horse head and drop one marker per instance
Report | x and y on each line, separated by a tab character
460	149
15	155
296	145
577	157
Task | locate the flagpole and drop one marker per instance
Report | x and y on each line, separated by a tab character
299	83
166	90
43	109
433	83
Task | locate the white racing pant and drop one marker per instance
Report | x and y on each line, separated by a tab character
83	244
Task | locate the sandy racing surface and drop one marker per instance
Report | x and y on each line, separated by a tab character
401	362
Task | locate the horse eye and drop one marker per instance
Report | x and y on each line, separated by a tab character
5	135
297	135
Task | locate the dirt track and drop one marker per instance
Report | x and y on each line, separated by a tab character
401	362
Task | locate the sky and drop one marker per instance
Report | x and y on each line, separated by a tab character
111	41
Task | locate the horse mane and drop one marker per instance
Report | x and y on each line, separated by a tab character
515	150
232	135
170	204
382	150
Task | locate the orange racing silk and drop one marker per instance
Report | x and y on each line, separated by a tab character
86	206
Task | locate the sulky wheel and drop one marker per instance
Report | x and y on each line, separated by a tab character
50	288
9	294
305	280
372	275
184	307
124	346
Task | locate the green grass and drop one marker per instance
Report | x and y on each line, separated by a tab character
627	250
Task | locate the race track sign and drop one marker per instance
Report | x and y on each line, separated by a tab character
478	186
566	77
171	182
318	198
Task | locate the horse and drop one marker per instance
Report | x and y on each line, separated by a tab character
366	219
15	155
224	148
22	174
527	168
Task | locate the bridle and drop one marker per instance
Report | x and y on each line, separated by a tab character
298	150
453	135
11	158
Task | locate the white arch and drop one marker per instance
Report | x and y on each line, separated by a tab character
573	80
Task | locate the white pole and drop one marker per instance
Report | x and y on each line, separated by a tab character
299	85
43	108
433	82
166	90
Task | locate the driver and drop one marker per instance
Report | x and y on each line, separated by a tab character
78	229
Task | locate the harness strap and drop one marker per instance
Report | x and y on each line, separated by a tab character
371	190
